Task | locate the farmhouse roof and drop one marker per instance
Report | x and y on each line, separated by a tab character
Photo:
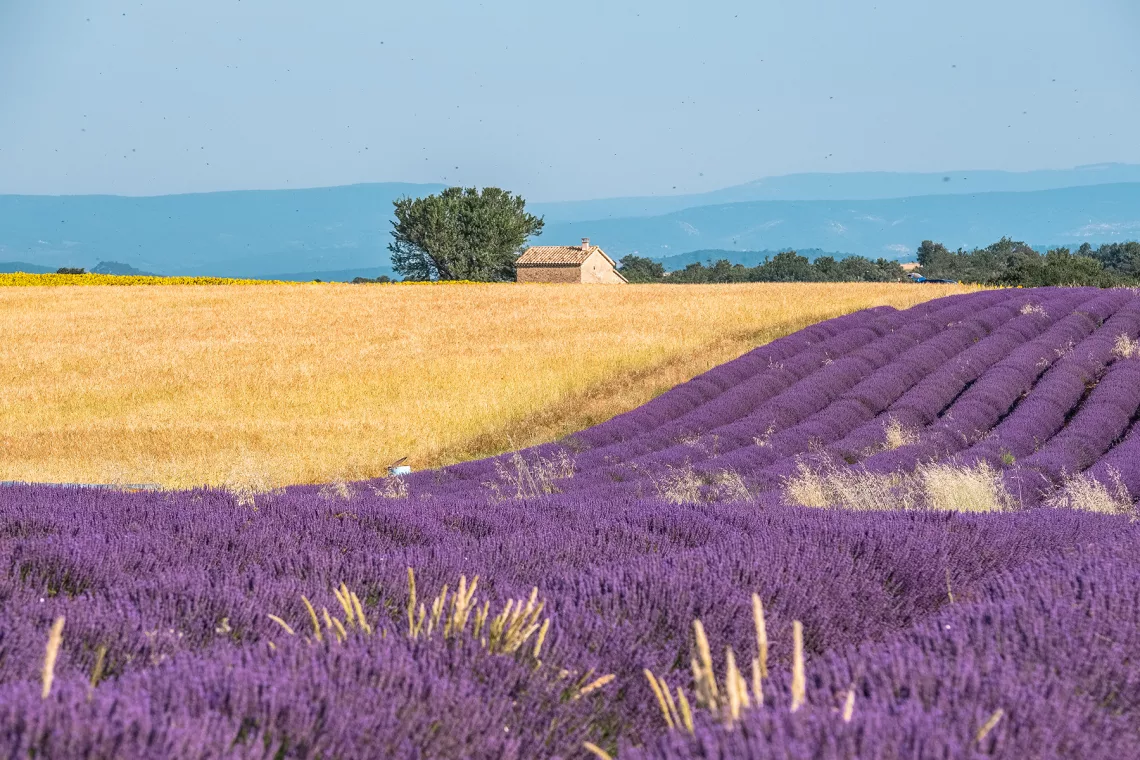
559	255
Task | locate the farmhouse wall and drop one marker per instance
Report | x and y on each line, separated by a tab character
597	269
562	274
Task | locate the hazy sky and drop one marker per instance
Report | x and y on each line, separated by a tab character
556	100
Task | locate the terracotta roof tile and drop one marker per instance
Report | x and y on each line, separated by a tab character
566	255
558	255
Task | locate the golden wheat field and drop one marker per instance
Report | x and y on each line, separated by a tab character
278	384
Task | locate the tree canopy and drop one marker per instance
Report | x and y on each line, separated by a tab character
1011	262
786	266
640	269
461	234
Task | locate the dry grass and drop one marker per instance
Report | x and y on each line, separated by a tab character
728	700
938	487
896	436
678	485
1126	347
1090	495
530	479
308	383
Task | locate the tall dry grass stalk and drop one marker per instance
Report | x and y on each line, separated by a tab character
730	700
516	629
55	640
799	682
849	706
596	751
316	381
932	486
989	725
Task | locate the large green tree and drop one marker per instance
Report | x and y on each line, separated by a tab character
461	234
640	269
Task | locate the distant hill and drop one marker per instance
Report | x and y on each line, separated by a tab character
7	267
340	231
845	186
747	258
237	234
891	228
338	275
114	267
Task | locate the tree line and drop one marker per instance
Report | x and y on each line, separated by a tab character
1009	262
473	234
786	266
1006	262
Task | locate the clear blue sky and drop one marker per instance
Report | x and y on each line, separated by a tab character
556	100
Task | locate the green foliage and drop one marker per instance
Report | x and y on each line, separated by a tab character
461	234
362	280
786	266
640	269
1118	258
70	270
1009	262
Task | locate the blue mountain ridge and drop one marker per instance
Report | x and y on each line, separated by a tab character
888	228
264	233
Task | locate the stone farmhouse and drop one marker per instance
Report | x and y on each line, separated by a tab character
567	263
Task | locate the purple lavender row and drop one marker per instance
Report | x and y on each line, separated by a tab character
686	396
1103	419
907	692
176	589
869	397
1058	395
988	399
939	365
1118	466
770	378
712	416
922	405
856	425
808	396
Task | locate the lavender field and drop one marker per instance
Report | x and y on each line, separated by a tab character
904	534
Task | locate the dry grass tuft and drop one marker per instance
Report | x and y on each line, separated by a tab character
764	439
952	488
830	484
1126	347
678	485
1090	495
313	381
522	479
684	485
896	436
727	485
938	487
246	480
515	630
391	487
1033	308
337	490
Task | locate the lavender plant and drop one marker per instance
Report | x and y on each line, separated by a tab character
660	595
